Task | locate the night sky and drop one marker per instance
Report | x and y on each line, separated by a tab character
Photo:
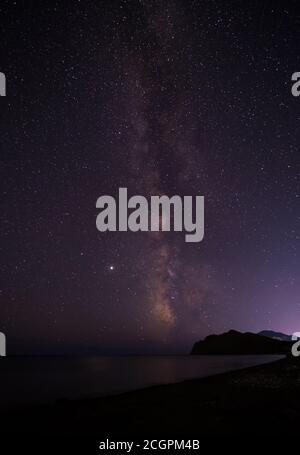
161	97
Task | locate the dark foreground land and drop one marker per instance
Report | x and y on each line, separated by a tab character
259	400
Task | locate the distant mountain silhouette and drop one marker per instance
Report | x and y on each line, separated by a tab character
275	335
234	342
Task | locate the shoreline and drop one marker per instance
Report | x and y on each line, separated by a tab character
261	399
76	379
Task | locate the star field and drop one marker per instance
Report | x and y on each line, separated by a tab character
188	98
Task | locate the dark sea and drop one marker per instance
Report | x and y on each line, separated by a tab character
28	380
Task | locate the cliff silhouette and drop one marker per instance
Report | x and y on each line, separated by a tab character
234	343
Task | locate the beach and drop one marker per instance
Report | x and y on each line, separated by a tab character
258	400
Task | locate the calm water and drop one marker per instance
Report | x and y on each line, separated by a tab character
44	379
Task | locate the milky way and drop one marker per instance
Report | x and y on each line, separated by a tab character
188	98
